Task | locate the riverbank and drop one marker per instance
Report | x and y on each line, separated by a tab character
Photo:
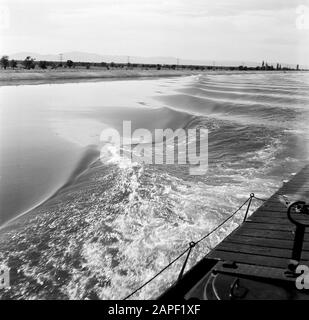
16	77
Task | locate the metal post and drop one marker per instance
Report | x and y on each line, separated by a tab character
191	246
248	207
298	243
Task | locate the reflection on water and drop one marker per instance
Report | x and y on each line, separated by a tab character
119	222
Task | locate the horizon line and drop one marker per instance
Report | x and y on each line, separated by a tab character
177	59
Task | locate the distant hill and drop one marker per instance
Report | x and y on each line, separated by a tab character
94	57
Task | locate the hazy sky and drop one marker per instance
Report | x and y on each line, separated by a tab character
246	30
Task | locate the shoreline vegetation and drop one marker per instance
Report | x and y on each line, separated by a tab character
16	72
62	75
15	77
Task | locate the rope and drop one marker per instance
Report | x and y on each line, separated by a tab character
222	223
144	284
191	245
260	199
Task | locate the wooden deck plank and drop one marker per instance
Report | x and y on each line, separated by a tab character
265	242
269	226
249	259
269	234
277	220
267	237
258	250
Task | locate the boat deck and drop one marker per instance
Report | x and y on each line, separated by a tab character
266	238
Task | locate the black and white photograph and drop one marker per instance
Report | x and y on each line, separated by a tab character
154	150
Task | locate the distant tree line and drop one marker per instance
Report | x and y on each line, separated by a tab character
30	63
265	66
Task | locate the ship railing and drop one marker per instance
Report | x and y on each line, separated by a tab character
193	244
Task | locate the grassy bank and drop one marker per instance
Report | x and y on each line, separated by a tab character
11	77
